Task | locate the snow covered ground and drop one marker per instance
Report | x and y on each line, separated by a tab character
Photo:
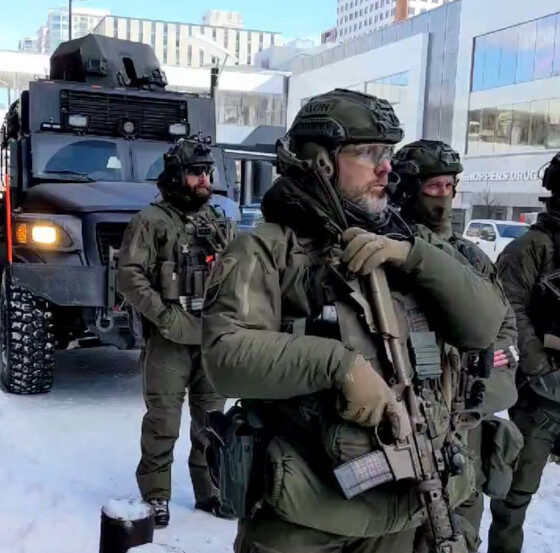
64	454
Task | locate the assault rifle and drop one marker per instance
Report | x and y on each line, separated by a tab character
413	455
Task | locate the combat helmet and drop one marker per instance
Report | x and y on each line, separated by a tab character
331	120
185	154
420	160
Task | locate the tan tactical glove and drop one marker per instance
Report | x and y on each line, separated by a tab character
365	250
366	398
176	325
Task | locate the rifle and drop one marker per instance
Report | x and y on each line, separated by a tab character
413	454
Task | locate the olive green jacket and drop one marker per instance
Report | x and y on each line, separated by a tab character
272	276
147	259
500	388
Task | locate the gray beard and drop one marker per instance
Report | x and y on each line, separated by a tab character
372	205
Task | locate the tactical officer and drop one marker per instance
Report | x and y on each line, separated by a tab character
527	267
429	173
164	261
275	334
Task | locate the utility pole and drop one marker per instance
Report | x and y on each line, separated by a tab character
69	19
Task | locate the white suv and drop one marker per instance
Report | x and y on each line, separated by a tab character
492	236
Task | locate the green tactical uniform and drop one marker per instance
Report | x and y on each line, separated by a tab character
268	338
537	414
163	265
415	163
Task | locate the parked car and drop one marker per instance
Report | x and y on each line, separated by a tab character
492	236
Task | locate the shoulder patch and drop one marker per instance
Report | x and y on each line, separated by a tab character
218	274
221	270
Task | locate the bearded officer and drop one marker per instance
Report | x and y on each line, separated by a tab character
164	261
270	337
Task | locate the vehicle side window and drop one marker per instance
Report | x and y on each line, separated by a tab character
474	230
487	232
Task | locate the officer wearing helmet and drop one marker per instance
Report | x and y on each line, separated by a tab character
276	335
428	173
164	260
529	268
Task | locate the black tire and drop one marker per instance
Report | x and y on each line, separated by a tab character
26	340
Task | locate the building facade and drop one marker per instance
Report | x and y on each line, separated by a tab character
193	45
56	30
478	75
27	44
359	17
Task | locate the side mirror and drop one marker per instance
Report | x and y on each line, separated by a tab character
488	235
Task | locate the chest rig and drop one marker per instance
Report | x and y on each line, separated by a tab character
191	246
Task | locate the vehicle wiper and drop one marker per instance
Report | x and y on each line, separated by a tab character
76	176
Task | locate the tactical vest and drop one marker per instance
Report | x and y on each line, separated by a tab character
185	258
331	316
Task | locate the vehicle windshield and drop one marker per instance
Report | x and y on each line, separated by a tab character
512	231
95	159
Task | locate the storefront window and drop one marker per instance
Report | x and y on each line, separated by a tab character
487	131
517	128
553	131
473	132
520	126
250	108
504	117
537	130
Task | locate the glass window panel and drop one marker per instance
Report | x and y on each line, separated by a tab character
520	126
526	54
556	62
478	63
544	51
473	132
503	128
487	131
400	79
508	56
492	60
537	129
553	131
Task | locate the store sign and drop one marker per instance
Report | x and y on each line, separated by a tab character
482	176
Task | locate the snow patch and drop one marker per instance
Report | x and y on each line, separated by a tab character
127	509
155	548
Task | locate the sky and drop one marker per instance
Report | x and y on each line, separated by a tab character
292	18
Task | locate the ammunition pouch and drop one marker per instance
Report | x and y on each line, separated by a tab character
237	445
501	443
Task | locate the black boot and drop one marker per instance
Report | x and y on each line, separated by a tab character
161	509
212	506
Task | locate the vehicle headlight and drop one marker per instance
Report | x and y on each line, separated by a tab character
44	234
41	233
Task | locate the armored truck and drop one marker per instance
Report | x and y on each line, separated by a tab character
80	154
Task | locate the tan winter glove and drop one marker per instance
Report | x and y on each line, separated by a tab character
366	398
365	250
